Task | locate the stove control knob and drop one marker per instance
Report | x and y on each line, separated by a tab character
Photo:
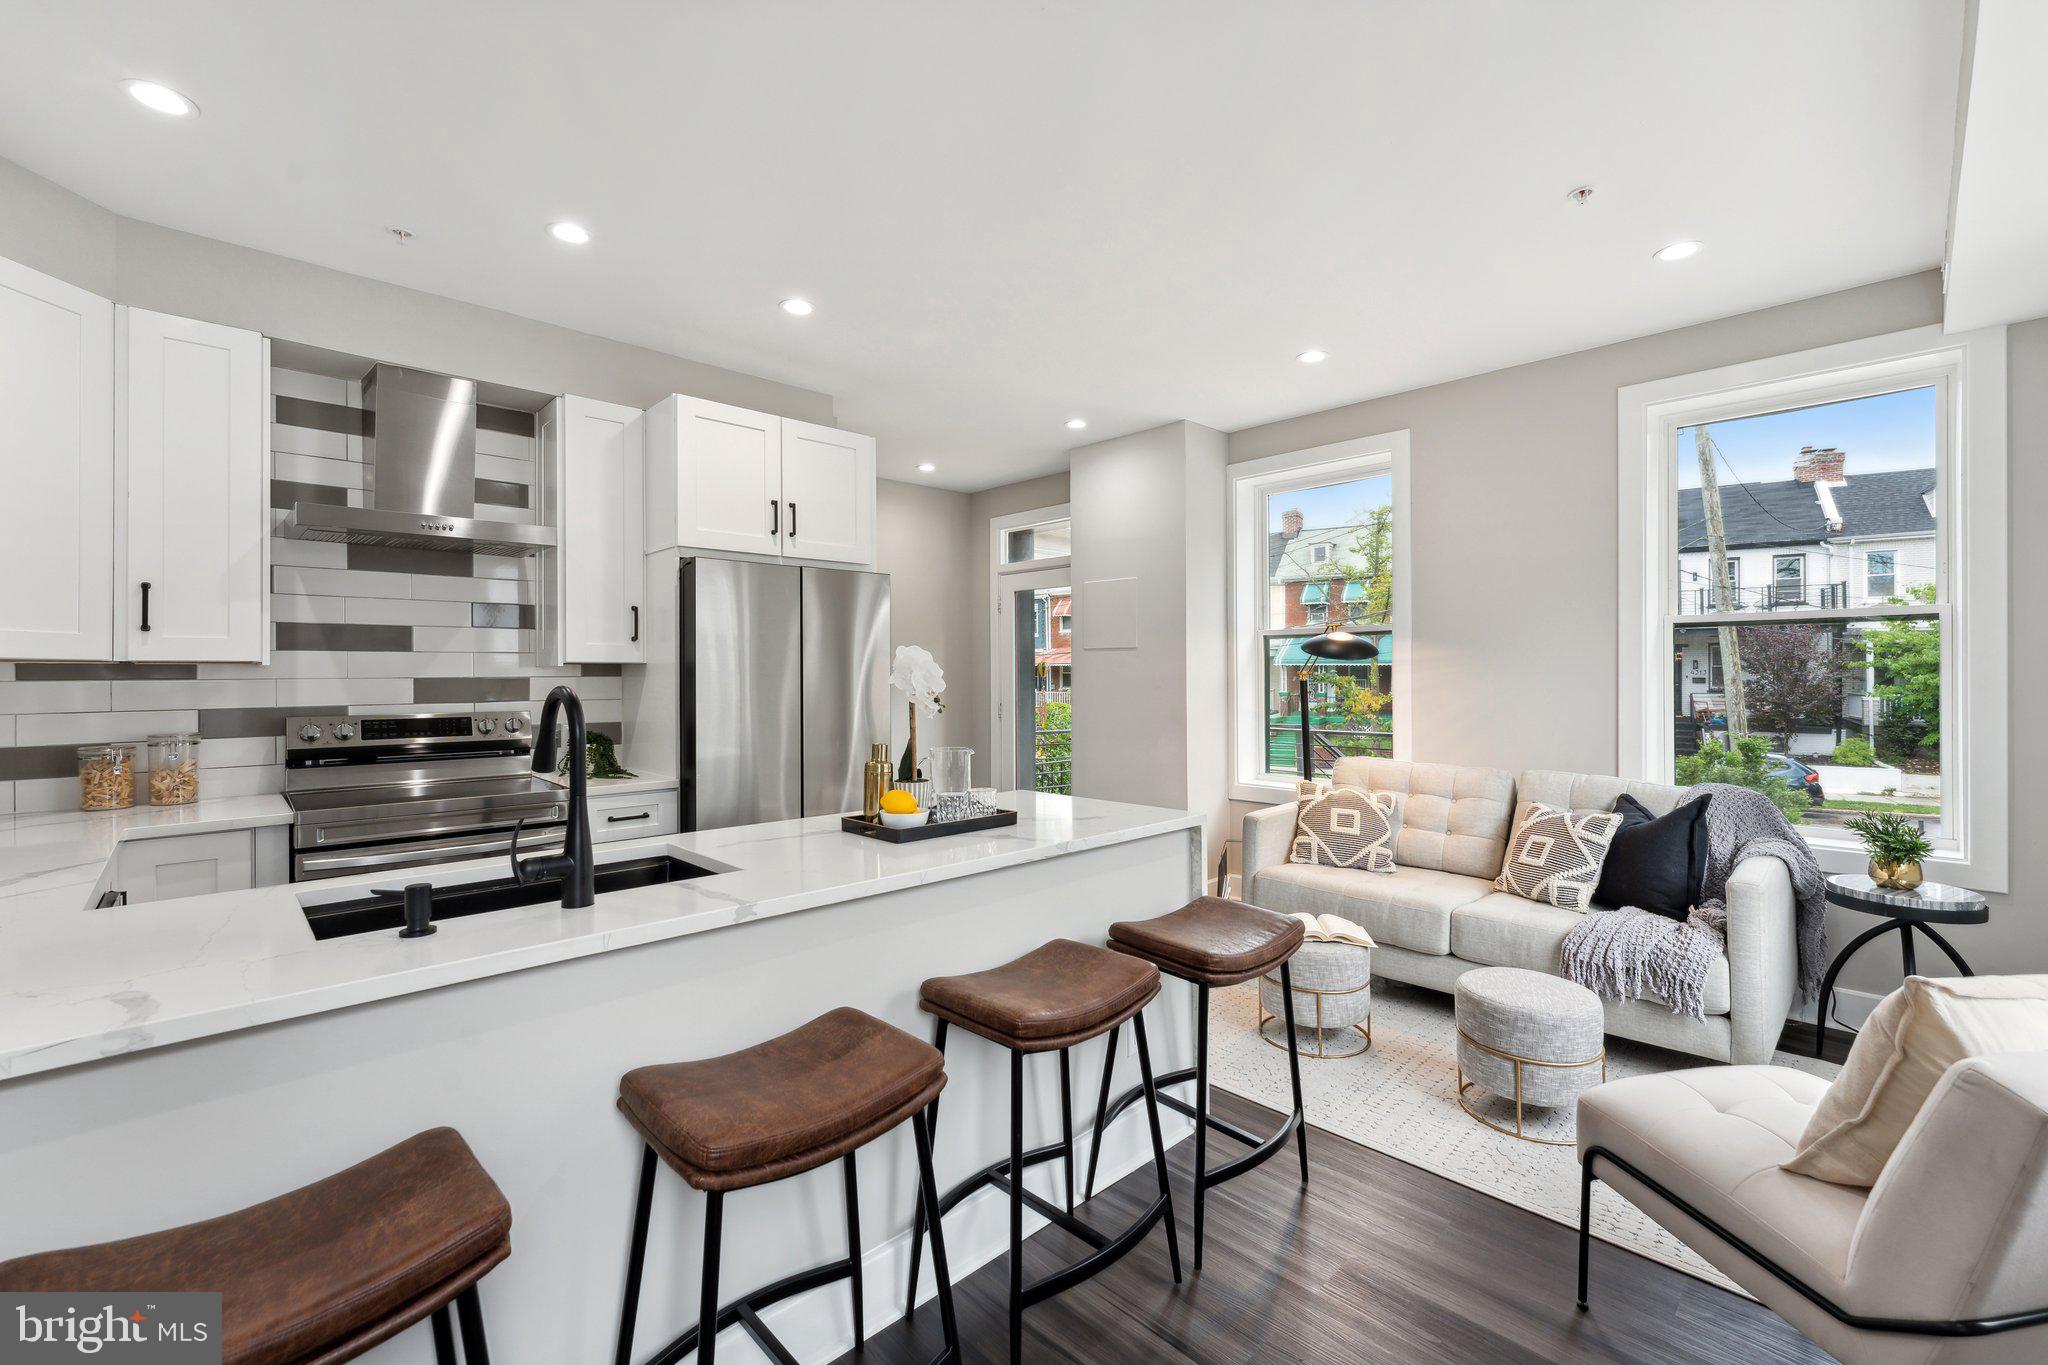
343	730
309	733
485	725
513	725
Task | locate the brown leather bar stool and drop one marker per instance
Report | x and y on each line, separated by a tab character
324	1273
792	1104
1046	1001
1212	942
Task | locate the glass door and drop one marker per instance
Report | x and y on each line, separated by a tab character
1035	713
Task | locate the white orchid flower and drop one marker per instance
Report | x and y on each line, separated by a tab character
917	675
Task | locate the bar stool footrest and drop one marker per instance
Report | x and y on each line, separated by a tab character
1067	1276
746	1311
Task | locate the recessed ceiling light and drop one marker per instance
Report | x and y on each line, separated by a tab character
926	468
575	234
797	308
1313	357
1076	423
161	98
1677	251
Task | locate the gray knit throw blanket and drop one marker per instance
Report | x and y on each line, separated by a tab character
1621	954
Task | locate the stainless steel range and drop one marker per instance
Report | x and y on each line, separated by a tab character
371	793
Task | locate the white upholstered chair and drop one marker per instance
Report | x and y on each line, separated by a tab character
1944	1259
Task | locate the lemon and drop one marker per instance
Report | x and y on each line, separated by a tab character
899	802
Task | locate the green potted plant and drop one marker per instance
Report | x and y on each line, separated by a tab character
1895	845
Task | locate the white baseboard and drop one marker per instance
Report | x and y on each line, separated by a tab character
1851	1008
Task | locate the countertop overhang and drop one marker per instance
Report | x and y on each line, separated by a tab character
81	984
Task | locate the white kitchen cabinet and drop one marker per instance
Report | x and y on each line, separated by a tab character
192	557
57	468
828	493
592	487
185	865
634	815
725	479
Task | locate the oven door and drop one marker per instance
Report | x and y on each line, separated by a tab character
313	864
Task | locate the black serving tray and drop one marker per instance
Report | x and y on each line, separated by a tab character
853	824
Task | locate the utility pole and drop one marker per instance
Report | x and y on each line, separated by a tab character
1724	594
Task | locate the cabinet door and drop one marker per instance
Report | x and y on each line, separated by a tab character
828	494
186	865
57	468
195	468
728	478
595	469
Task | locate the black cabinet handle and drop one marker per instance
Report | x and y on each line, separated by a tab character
145	606
615	819
792	521
774	517
636	625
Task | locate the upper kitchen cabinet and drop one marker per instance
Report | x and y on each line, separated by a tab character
591	465
57	466
721	478
194	557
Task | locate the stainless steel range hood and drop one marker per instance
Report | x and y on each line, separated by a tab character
419	454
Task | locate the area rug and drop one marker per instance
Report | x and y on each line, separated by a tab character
1400	1098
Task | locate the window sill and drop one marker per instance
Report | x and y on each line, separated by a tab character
1949	866
1275	792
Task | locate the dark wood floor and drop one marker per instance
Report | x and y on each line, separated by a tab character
1377	1261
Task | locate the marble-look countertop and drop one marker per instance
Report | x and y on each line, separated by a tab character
622	786
54	860
79	984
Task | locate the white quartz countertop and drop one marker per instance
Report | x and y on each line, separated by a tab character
54	860
622	786
78	984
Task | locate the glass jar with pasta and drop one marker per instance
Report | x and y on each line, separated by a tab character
106	776
173	770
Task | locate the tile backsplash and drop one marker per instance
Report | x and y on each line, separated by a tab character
361	629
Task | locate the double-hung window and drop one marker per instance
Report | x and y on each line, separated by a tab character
1318	539
1868	481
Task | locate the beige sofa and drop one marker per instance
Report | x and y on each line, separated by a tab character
1437	915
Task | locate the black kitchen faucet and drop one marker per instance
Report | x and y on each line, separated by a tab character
573	864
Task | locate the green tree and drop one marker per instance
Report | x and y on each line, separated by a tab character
1055	752
1368	559
1907	654
1746	765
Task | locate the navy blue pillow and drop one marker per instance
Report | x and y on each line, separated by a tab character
1655	862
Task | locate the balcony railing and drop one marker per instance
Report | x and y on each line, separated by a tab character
1776	597
1053	771
1329	743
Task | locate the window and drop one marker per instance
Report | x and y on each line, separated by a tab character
1826	468
1045	540
1316	540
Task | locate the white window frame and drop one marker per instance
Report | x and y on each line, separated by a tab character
1969	368
1250	482
1003	762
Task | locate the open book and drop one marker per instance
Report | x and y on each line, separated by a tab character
1335	929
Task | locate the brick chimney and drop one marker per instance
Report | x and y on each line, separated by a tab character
1823	465
1290	522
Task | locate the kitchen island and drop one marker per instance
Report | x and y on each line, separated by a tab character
170	1061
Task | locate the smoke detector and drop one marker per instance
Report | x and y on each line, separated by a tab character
1581	194
399	236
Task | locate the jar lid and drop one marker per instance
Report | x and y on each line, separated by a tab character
104	750
174	739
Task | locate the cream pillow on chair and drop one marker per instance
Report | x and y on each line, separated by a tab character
1914	1035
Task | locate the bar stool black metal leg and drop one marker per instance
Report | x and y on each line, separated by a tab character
928	1200
469	1310
1293	1068
1101	1111
853	1249
1158	1145
1016	1208
1201	1111
636	1256
1067	1126
917	1215
444	1338
1585	1227
707	1302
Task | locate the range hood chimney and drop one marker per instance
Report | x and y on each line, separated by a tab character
419	456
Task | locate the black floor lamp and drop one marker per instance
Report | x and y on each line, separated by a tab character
1339	645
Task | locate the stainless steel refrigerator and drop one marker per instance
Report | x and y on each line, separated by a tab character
784	685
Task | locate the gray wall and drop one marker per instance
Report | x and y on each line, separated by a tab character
922	537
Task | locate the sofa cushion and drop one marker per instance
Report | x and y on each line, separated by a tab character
1504	930
1345	827
1554	855
1590	791
1408	908
1453	819
1655	862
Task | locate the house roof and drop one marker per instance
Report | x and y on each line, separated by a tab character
1787	512
1288	561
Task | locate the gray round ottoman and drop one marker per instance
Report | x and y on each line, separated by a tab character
1528	1037
1332	1000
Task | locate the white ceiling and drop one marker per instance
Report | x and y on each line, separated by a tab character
1009	212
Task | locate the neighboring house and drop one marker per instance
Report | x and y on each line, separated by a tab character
1313	577
1053	642
1819	541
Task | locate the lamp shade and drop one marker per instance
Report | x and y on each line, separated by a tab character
1339	644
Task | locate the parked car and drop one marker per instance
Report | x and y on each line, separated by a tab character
1799	775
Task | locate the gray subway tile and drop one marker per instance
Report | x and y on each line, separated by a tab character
242	722
613	730
307	412
603	670
327	635
440	690
391	559
502	616
510	421
285	492
38	761
99	672
502	493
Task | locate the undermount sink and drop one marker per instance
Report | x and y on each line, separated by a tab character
385	910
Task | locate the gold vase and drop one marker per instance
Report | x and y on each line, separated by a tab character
1897	876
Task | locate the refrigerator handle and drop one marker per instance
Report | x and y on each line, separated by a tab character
774	516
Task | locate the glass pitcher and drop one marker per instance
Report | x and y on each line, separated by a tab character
952	769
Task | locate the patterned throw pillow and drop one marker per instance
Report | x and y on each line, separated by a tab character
1554	855
1345	827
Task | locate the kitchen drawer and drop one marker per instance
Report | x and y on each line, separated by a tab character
633	815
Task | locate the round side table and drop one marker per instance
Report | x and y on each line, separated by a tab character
1925	906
